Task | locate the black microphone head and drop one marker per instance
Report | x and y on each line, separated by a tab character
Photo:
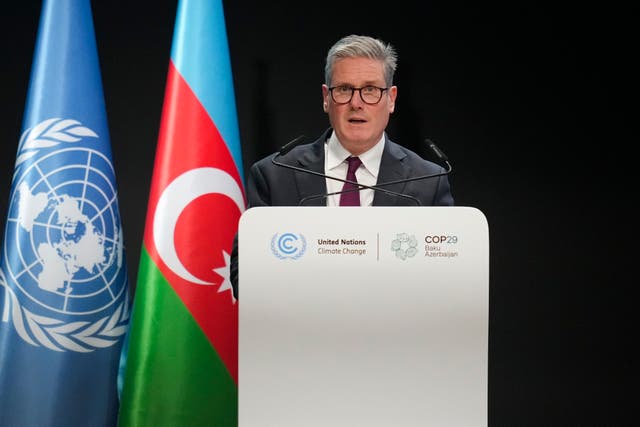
435	150
291	144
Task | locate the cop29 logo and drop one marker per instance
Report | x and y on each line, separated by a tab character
404	246
288	245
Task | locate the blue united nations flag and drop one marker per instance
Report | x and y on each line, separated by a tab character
64	306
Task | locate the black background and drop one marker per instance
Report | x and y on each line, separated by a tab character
525	99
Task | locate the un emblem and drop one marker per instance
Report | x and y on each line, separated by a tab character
288	245
63	254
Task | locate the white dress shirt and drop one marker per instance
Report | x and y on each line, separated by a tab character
335	164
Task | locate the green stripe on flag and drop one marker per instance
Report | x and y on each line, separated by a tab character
174	377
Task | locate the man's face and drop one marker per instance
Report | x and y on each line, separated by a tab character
357	124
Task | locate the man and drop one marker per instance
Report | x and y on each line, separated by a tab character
359	97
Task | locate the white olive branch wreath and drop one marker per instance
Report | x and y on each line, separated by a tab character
49	133
56	335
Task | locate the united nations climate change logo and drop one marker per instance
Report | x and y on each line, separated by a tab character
63	255
288	245
405	246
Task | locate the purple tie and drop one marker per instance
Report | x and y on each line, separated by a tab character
352	198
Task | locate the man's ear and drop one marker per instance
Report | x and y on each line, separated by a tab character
393	94
325	98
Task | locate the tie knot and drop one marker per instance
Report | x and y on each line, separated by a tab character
354	163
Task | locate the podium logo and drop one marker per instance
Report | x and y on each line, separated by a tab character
404	245
288	245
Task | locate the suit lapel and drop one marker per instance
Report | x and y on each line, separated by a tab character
311	185
392	168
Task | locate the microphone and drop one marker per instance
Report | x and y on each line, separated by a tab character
438	152
298	141
434	149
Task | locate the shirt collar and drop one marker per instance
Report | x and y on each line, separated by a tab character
335	154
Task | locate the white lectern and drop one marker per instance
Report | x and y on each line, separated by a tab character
363	316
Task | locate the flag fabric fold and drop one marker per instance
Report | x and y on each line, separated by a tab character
182	358
64	302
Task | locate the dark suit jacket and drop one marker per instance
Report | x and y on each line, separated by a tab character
273	185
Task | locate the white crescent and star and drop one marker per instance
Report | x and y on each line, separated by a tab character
175	198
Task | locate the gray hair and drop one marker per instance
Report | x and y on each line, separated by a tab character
355	46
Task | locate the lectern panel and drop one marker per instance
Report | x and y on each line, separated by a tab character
363	316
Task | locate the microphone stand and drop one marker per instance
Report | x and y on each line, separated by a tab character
289	146
360	186
298	140
432	146
377	186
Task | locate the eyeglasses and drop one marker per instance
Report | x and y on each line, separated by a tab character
369	94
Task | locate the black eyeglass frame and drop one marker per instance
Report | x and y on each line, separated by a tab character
359	89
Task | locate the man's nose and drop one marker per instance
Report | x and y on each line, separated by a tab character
356	98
